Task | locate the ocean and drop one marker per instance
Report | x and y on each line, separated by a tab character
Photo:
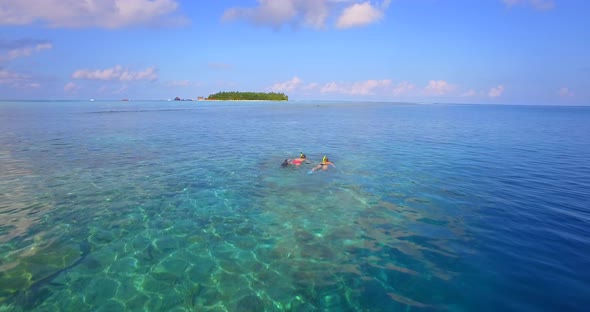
184	206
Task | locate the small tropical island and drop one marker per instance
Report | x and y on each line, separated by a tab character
248	96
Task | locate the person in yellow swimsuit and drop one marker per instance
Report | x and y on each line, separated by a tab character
324	165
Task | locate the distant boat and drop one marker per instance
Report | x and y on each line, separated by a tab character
91	100
125	100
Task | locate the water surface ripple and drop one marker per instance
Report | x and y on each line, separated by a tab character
164	206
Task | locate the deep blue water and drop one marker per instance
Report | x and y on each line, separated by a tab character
182	206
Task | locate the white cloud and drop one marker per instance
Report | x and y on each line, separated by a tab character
565	92
71	87
366	87
496	91
403	88
307	13
17	80
386	87
287	86
16	53
276	13
330	87
359	14
88	13
150	73
536	4
117	73
438	87
22	48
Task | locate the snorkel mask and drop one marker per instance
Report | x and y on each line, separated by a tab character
325	159
302	155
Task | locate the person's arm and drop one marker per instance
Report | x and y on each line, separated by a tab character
331	163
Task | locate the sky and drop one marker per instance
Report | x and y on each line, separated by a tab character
427	51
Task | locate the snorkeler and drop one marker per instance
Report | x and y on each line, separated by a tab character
297	161
324	165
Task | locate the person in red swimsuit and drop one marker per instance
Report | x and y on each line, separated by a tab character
297	161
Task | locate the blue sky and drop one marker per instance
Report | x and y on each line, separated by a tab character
460	51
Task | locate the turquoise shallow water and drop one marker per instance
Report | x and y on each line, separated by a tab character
183	206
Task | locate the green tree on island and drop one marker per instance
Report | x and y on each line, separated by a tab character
248	96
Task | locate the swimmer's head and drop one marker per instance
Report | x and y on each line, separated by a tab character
302	155
325	159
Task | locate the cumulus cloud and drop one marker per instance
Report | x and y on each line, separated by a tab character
287	86
536	4
276	13
438	87
88	13
366	87
117	73
387	87
565	92
496	91
12	49
308	13
71	87
330	87
403	88
359	14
